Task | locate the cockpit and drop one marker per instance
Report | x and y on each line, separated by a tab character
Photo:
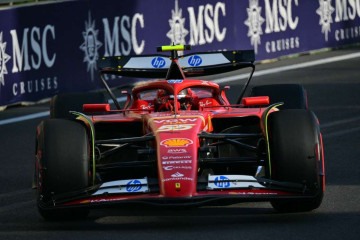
161	99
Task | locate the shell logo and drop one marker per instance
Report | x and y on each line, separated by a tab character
176	142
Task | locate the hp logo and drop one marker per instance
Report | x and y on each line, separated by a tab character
158	62
222	182
133	186
195	61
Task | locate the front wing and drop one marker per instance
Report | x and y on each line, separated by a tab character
212	191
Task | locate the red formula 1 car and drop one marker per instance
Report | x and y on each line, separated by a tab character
179	141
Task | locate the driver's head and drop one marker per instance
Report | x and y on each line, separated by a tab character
182	94
185	93
161	93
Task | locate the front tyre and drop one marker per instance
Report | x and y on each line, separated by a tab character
62	159
296	154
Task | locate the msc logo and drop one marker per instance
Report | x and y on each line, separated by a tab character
133	186
222	182
3	59
90	46
158	62
324	11
195	61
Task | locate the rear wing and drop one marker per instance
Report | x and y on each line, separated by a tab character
192	65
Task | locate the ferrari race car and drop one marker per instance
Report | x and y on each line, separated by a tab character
178	141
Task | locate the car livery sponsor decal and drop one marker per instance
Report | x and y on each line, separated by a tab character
175	157
256	193
146	107
233	181
206	103
176	162
176	142
222	182
172	81
158	62
176	120
205	83
195	61
133	186
177	151
177	175
170	168
169	116
177	127
123	186
177	179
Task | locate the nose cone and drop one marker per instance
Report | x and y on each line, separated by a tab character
177	154
178	166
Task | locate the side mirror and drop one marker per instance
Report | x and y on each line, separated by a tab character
256	101
91	108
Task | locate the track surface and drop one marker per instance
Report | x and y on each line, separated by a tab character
334	95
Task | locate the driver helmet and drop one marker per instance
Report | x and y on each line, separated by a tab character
183	94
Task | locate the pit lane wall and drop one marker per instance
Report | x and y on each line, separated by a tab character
50	48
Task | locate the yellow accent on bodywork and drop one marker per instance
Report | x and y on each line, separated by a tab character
264	128
84	118
173	48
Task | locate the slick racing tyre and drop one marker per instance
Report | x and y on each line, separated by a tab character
62	155
61	104
296	156
292	95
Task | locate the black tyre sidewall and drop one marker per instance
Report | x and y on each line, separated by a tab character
64	160
293	138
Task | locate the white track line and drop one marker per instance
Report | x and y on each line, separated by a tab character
24	118
221	80
341	132
340	122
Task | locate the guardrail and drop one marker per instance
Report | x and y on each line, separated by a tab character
50	48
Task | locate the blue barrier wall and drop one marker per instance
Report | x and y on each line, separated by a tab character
52	48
